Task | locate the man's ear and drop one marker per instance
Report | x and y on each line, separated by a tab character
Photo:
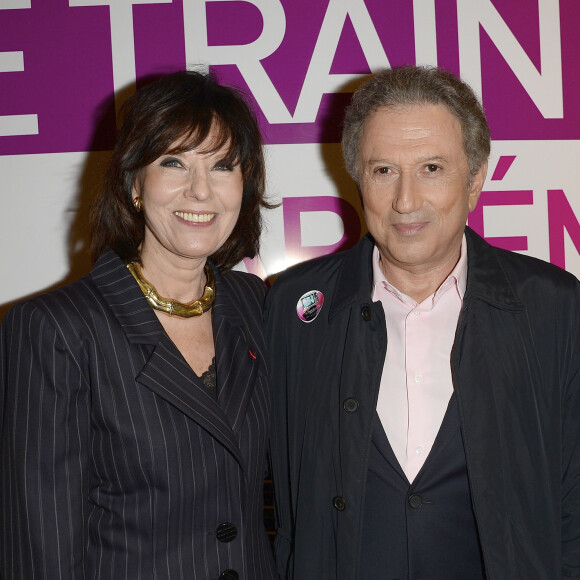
476	185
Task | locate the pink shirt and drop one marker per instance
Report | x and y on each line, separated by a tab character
416	382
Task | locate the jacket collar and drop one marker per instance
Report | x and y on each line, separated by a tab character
124	297
486	279
138	320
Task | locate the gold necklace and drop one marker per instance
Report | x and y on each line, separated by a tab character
173	307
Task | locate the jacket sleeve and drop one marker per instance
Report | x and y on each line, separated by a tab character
279	451
43	450
571	446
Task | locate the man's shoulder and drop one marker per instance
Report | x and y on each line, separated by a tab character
524	273
522	266
321	268
325	269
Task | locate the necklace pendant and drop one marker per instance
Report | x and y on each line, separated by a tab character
174	307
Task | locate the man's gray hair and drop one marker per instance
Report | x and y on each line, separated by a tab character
409	86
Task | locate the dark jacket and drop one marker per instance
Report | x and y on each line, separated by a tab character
116	463
516	372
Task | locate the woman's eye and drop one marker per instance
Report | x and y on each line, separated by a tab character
223	167
432	168
170	162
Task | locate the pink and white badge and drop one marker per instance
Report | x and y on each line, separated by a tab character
310	305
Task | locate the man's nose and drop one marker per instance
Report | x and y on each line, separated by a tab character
407	197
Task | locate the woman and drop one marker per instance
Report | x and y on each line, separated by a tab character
135	404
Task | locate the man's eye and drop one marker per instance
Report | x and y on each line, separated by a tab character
383	170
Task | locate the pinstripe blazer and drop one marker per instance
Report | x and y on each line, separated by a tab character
115	462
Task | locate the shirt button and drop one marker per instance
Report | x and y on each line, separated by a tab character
350	405
419	449
417	313
339	503
226	532
365	312
418	378
415	501
229	575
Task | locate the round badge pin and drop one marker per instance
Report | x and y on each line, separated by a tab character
309	305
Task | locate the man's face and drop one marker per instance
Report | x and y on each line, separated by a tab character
415	186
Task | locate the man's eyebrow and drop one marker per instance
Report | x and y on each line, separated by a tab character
430	158
378	161
426	159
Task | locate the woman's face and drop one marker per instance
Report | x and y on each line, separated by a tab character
191	202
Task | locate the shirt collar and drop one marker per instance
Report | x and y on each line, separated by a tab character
457	277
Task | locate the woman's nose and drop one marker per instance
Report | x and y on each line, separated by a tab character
199	187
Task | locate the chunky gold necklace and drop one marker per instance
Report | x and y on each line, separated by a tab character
173	307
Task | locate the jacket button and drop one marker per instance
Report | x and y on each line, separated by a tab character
339	503
415	501
350	405
226	532
229	575
365	312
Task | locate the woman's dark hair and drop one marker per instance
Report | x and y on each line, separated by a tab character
182	108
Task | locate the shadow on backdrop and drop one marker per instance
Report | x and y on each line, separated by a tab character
346	202
89	183
331	134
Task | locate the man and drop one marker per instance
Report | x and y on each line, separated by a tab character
426	385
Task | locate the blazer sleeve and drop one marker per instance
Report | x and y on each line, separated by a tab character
570	351
43	449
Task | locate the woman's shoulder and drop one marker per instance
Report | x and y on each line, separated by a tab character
60	305
85	300
61	319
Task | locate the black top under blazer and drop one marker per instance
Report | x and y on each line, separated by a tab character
115	462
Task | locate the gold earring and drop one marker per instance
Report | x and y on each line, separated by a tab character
138	204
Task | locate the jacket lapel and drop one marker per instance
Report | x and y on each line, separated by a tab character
166	372
168	375
355	282
238	359
383	446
